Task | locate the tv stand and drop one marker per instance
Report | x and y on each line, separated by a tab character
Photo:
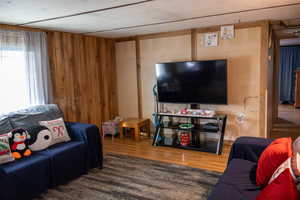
197	132
195	106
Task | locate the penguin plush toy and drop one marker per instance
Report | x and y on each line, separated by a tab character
19	143
40	138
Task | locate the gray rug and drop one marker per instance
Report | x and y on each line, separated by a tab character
126	177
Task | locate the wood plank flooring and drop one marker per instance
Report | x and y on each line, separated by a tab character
144	149
288	123
289	113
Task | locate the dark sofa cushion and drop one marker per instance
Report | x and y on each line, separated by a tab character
91	135
25	178
237	182
31	116
5	125
68	161
248	148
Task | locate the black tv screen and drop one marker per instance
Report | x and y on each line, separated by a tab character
193	82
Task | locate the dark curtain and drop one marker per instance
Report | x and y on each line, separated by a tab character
289	62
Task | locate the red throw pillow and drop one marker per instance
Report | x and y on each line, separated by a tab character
271	158
281	188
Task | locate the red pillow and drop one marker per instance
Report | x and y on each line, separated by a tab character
281	188
272	157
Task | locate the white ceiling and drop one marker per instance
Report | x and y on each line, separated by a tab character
114	18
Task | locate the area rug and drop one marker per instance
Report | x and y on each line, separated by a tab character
131	178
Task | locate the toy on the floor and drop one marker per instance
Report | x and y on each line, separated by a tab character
111	127
19	143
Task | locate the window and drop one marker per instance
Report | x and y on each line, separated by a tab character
24	77
12	80
13	86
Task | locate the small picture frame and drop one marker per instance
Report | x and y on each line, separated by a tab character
227	32
211	39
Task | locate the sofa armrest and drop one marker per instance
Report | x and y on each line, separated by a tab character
90	134
248	148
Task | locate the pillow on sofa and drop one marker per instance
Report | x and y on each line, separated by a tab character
296	157
5	152
272	157
296	145
58	130
40	138
283	187
30	116
5	125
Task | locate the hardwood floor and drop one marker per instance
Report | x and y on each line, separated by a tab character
144	149
288	122
289	113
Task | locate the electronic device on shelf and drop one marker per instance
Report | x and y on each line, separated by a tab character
192	112
199	82
211	127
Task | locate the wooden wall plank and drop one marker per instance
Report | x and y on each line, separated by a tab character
114	85
14	27
138	75
275	79
194	43
263	106
83	76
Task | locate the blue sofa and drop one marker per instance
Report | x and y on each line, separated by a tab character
29	177
238	180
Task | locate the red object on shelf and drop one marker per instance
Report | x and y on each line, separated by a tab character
185	139
183	111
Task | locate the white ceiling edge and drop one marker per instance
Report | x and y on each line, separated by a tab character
290	42
282	13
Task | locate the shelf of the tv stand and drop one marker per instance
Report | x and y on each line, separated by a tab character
221	120
208	147
191	116
194	129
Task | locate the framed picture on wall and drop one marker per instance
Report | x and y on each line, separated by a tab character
211	39
227	32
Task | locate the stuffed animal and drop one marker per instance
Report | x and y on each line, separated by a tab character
18	140
40	138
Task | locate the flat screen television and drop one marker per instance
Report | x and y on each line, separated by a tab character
192	82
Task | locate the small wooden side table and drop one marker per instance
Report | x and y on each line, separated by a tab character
136	124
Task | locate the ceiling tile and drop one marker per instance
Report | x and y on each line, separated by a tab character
23	11
274	13
154	14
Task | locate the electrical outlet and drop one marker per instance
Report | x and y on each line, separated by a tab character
240	118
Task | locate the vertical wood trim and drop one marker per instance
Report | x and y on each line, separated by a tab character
263	80
138	74
194	43
276	79
115	103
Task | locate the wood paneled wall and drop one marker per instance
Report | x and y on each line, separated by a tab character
84	76
247	56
